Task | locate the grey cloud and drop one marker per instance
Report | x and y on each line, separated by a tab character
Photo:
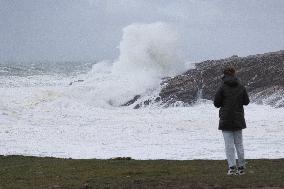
54	30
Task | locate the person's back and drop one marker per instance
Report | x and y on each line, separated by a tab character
230	98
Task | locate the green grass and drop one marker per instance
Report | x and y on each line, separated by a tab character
21	172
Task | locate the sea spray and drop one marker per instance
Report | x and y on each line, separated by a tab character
151	49
148	52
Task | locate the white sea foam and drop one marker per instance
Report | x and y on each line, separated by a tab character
150	49
62	127
46	116
148	52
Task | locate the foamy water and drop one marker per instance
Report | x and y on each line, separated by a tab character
55	124
44	115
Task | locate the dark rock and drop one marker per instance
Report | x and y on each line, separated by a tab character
137	106
79	80
134	99
147	102
181	88
263	76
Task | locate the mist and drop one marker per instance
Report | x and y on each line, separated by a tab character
91	30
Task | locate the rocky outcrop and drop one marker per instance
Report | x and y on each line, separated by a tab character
262	75
182	88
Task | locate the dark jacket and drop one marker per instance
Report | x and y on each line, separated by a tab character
230	98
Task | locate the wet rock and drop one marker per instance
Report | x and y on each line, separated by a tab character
152	100
182	88
79	80
134	99
137	106
262	75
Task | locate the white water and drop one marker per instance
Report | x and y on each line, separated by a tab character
53	124
45	116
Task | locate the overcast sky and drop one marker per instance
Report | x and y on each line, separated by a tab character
60	30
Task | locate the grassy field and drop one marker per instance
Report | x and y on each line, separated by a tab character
21	172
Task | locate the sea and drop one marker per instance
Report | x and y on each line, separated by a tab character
72	109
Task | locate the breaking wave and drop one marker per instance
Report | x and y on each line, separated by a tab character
148	52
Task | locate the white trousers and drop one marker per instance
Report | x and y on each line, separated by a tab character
234	139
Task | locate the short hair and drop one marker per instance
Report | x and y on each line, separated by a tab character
230	70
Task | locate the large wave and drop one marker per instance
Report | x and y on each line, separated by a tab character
148	52
150	49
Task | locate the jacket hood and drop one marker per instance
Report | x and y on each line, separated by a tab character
232	81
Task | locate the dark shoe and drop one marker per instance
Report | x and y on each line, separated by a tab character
241	170
232	171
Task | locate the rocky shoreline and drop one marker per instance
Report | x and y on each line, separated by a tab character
261	74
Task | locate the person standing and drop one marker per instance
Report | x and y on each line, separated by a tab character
230	98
